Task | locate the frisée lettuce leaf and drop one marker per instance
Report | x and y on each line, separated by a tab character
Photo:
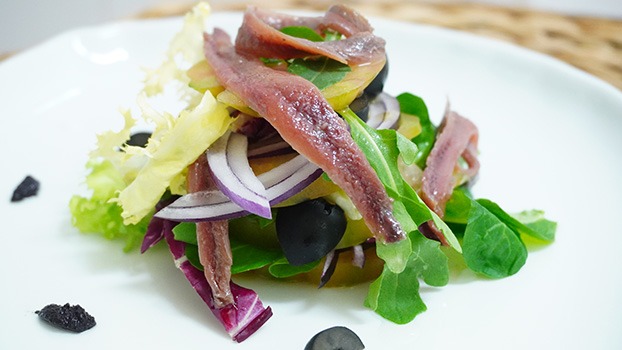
96	214
192	133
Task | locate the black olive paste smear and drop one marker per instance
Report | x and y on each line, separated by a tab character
27	188
68	317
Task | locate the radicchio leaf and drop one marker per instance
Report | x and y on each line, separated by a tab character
241	319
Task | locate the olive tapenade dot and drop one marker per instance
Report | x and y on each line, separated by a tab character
72	318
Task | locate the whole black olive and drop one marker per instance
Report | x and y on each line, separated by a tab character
309	230
139	139
335	338
377	85
360	106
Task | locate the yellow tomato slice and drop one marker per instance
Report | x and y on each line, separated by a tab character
342	93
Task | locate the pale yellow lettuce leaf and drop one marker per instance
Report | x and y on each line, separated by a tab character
190	135
185	50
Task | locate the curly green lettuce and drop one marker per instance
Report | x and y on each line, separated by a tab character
126	182
96	214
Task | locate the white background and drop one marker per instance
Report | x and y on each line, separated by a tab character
24	23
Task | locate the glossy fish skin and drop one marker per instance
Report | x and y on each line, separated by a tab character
260	36
458	138
301	115
212	240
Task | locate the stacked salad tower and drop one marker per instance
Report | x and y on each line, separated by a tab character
290	159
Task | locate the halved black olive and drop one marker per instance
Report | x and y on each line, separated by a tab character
377	85
309	230
335	338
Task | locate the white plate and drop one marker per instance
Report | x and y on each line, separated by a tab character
549	139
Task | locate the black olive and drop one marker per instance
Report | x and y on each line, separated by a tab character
360	106
335	338
309	230
377	85
27	188
68	317
139	139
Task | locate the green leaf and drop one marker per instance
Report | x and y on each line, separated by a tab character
302	32
458	206
395	254
380	148
403	217
98	214
332	35
537	225
396	296
270	62
421	213
489	246
408	150
248	257
254	230
322	72
429	260
186	232
283	269
262	222
192	254
414	105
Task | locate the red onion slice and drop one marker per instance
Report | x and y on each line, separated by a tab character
281	183
294	183
274	148
228	162
358	256
201	206
384	112
329	267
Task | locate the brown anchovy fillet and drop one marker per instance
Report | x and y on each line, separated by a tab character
458	138
339	18
298	111
260	36
212	239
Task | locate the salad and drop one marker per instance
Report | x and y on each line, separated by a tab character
290	160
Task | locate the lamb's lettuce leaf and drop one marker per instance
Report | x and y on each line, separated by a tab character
530	222
302	32
490	247
492	244
322	72
414	105
386	296
395	296
283	269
